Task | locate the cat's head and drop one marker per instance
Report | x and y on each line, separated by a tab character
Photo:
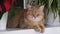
35	12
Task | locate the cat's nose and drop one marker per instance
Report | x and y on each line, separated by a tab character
33	17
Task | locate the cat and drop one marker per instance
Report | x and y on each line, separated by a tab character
33	18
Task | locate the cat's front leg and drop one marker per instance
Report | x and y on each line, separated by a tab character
42	27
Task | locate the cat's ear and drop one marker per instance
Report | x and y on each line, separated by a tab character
29	7
41	8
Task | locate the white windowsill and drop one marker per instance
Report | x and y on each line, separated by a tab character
51	30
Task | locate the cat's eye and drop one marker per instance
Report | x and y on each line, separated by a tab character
37	14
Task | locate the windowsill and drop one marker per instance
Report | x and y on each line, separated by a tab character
48	30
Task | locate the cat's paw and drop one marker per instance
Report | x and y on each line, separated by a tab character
38	30
42	30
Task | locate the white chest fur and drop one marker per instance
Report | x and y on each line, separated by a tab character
35	19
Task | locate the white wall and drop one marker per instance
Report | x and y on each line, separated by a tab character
25	3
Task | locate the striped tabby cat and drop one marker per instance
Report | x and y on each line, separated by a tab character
32	18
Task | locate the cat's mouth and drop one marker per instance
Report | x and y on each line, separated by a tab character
35	19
